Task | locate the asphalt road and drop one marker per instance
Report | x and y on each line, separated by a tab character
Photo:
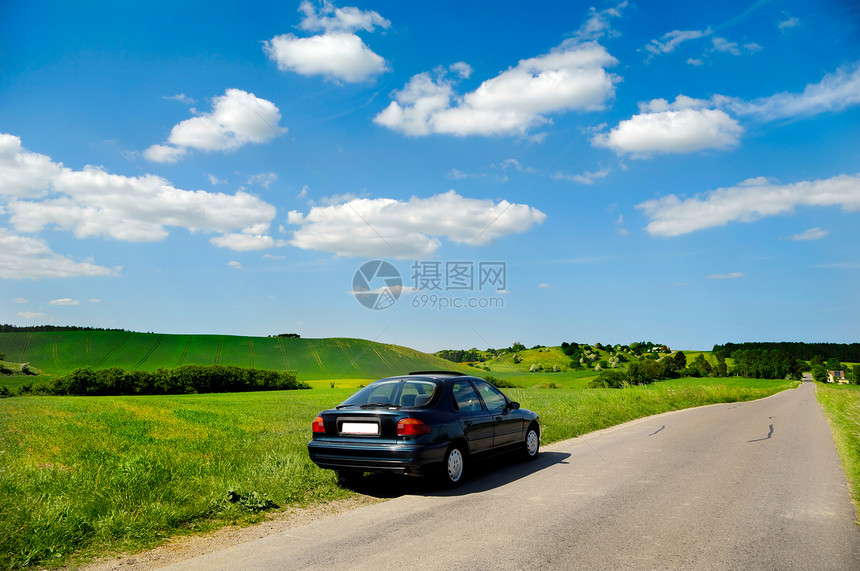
753	485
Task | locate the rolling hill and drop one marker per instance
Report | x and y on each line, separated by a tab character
58	352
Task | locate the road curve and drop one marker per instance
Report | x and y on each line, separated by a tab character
754	485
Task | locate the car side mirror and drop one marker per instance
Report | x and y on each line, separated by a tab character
513	405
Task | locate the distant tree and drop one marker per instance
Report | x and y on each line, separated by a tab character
517	346
855	375
721	369
609	380
819	373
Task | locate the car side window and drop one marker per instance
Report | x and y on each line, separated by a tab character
465	397
495	401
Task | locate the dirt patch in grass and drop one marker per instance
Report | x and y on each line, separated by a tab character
182	548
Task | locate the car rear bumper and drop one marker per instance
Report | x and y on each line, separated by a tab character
393	458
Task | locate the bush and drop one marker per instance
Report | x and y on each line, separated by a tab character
500	383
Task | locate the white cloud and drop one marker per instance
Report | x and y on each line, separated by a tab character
685	126
598	23
545	286
22	172
335	55
835	92
244	242
24	257
731	276
20	300
385	227
811	234
93	202
64	301
570	77
725	46
264	179
238	118
182	98
338	53
670	41
751	200
30	314
587	177
164	153
234	264
462	69
788	23
330	18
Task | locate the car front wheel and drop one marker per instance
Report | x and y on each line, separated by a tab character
531	445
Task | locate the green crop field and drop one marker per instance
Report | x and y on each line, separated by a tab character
59	352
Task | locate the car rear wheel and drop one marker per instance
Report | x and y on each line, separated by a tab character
454	466
531	445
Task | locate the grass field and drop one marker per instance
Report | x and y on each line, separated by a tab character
58	352
87	475
841	404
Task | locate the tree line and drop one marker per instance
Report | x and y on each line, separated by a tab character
186	379
7	328
846	352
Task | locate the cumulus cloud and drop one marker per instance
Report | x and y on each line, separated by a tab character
573	76
64	301
238	118
25	257
93	202
338	53
749	201
385	227
22	172
685	126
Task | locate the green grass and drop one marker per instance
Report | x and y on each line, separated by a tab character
567	413
841	404
87	475
58	352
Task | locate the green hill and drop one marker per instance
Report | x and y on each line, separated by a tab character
58	352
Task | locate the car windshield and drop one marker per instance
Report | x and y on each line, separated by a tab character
393	393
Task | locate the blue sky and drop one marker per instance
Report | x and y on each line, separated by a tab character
686	173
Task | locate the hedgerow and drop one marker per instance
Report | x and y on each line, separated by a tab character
180	380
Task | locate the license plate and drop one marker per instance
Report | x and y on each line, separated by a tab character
371	428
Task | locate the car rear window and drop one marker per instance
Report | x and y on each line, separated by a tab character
401	393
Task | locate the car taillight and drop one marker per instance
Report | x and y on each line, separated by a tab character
319	425
412	427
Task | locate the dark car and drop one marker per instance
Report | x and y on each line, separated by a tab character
422	423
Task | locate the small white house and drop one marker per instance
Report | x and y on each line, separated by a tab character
836	377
